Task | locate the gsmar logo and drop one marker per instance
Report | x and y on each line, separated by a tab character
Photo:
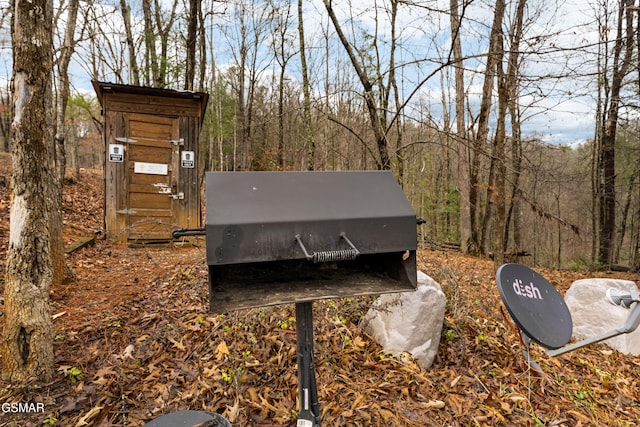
20	407
528	291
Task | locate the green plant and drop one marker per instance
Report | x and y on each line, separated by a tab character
537	421
450	335
49	421
227	376
284	324
75	374
582	397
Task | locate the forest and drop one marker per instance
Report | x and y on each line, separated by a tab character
511	127
460	100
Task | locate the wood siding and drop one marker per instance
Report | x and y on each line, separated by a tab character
155	129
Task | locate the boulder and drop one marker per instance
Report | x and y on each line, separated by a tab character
593	315
409	321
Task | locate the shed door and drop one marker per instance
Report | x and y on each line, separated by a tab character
152	183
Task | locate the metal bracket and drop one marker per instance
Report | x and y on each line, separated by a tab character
630	325
179	142
179	196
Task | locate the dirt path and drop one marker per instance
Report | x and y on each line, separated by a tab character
109	278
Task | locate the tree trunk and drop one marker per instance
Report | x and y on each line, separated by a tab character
27	338
152	70
461	136
514	213
624	217
202	48
635	257
66	51
134	72
311	146
4	123
192	39
494	56
499	154
607	193
399	155
481	136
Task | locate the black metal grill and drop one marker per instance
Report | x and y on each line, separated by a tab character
295	237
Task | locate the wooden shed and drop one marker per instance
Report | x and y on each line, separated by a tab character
151	160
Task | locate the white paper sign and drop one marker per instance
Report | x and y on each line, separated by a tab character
151	168
188	159
116	153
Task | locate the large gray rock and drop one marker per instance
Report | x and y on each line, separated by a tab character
593	315
409	321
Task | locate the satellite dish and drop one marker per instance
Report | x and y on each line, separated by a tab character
535	305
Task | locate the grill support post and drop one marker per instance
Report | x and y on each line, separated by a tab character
309	414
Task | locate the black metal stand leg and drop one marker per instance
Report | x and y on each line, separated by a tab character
309	415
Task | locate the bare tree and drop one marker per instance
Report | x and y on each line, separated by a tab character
27	337
494	57
498	157
282	44
512	83
383	160
464	189
622	54
60	271
246	34
157	25
306	90
192	43
134	70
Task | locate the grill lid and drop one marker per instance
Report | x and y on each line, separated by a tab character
273	216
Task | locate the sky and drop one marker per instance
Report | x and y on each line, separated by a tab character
559	111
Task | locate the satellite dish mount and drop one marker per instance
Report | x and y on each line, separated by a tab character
542	315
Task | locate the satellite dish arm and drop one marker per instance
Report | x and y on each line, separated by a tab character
631	324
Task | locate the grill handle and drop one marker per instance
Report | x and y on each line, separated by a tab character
183	232
330	256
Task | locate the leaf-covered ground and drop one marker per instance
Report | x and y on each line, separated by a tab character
134	340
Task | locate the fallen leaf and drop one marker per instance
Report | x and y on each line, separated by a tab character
68	405
386	414
177	344
222	350
359	342
433	404
104	371
84	421
128	352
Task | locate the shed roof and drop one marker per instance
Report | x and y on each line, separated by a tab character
102	87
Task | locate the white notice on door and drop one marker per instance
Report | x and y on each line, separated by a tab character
151	168
188	159
116	153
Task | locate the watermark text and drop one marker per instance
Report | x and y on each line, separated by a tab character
21	407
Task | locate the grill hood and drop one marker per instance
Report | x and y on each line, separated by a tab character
278	237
